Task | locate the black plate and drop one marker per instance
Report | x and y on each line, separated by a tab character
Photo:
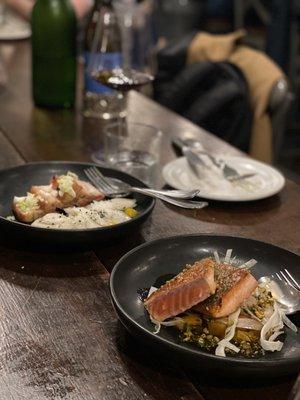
142	266
17	181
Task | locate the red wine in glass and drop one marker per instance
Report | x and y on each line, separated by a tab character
123	82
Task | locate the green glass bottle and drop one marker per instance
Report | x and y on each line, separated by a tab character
54	31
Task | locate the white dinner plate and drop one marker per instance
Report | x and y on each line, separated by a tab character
14	27
267	181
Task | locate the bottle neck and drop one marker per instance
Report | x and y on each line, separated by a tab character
102	3
107	3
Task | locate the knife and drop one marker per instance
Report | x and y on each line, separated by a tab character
194	161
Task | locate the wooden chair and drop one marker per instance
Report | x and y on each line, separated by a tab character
280	102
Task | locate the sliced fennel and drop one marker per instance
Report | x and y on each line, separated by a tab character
228	259
288	322
151	290
216	255
273	328
229	334
273	325
249	264
172	322
228	256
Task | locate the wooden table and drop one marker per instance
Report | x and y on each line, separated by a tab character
60	338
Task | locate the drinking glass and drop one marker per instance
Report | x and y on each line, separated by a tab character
135	151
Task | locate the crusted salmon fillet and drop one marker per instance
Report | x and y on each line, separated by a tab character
191	286
234	286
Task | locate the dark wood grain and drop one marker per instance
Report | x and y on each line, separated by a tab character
61	339
60	336
59	333
9	156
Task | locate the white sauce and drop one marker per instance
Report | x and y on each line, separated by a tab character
97	214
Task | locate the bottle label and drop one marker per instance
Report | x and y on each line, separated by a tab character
99	61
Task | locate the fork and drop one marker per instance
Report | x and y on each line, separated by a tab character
194	159
113	184
286	289
288	278
193	150
116	188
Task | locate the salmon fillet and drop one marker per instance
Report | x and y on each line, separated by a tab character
234	286
191	286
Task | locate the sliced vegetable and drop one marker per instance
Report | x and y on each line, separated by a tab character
172	322
131	212
229	334
249	264
228	256
246	335
288	322
216	255
217	327
272	326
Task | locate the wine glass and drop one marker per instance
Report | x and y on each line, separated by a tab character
127	76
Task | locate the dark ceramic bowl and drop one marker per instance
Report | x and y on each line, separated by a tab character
17	181
144	265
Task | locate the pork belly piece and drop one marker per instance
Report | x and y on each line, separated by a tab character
86	193
63	191
74	192
40	201
191	286
48	198
26	208
234	286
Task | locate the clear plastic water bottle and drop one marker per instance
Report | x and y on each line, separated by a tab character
102	51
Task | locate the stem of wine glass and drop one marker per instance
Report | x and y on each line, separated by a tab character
127	43
122	121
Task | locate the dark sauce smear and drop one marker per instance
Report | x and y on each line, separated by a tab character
143	293
61	211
